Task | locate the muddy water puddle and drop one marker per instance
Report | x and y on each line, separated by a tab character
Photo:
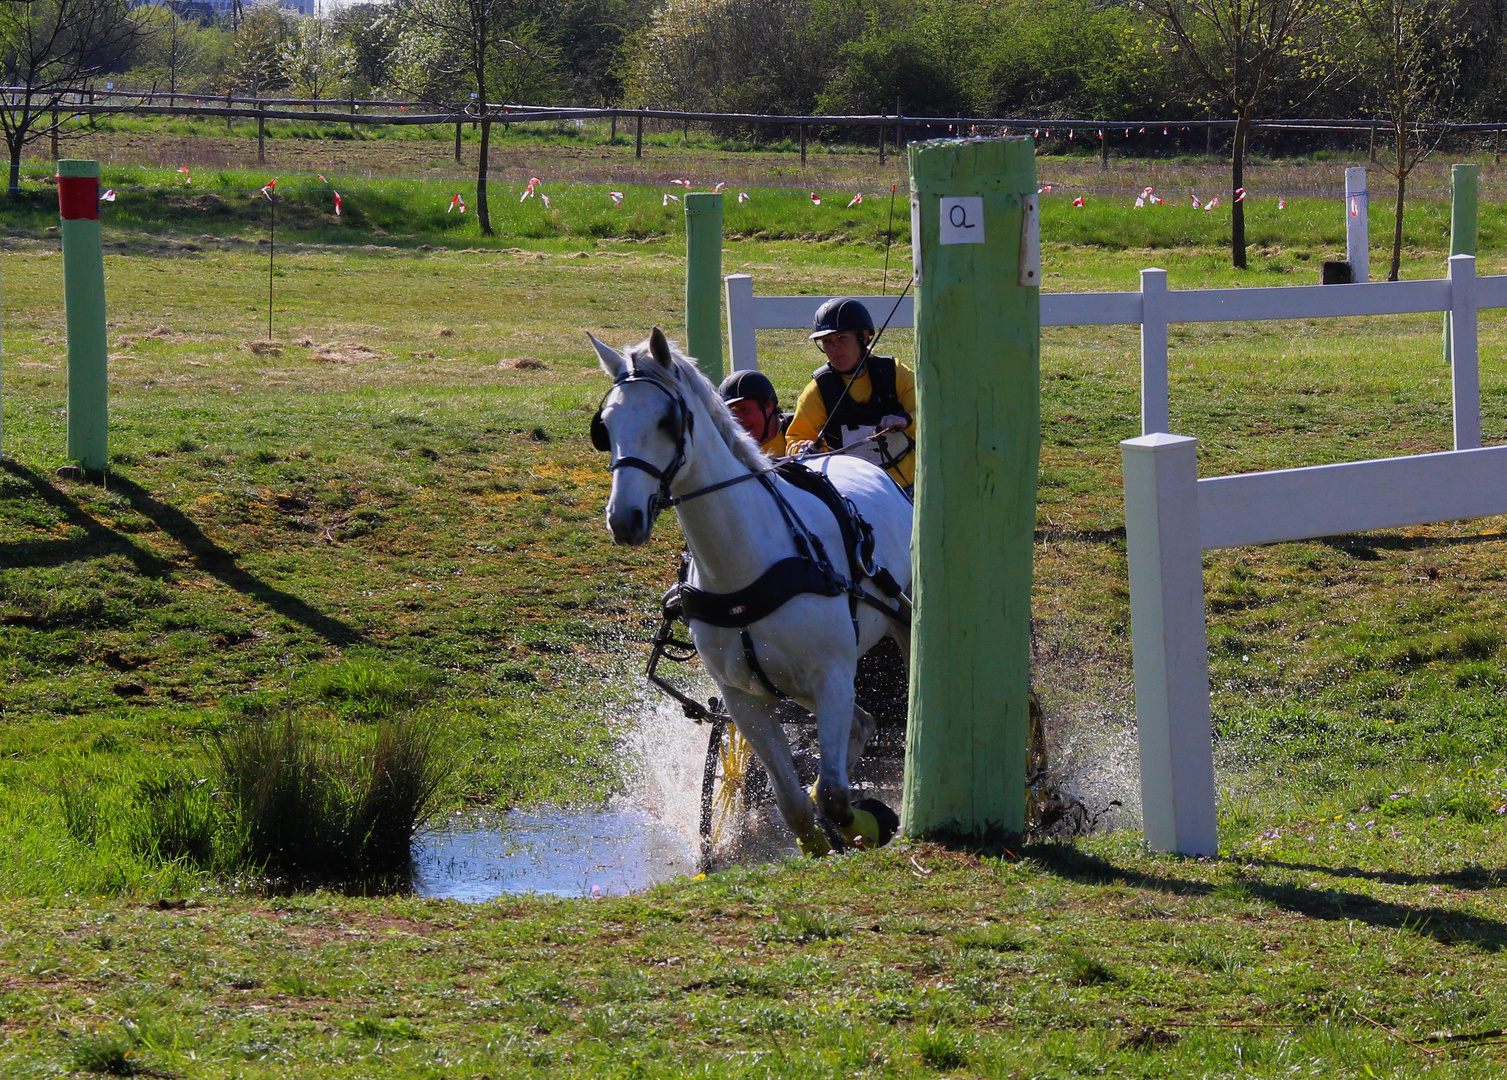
549	852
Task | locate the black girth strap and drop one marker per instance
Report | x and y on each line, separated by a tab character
752	659
783	581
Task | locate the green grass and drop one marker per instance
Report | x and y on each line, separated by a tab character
398	520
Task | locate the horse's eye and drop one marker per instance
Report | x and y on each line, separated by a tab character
667	424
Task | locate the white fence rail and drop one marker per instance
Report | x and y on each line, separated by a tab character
1155	307
1172	517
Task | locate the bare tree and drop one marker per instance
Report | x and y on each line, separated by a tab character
490	51
1243	51
1413	49
50	50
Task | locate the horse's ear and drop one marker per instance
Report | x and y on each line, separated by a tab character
613	362
659	348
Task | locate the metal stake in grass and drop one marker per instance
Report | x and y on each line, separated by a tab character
889	238
271	247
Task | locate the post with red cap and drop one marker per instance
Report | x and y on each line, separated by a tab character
84	296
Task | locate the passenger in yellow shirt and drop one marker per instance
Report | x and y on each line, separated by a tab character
751	398
856	400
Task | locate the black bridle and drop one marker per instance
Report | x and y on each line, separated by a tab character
684	422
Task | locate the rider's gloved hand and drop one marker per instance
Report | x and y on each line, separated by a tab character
799	446
898	423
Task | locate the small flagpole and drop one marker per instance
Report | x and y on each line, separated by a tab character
888	240
271	253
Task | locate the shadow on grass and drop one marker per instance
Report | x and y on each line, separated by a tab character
1469	877
1444	925
1370	548
206	554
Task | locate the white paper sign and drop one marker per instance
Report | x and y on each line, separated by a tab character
963	220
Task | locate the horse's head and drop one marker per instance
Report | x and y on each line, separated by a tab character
645	423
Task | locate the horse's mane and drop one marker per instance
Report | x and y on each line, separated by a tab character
688	377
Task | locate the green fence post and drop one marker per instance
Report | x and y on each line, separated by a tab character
978	329
84	298
1462	223
703	281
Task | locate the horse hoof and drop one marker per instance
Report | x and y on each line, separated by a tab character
863	831
888	821
815	847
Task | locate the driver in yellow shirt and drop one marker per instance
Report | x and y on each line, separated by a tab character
869	410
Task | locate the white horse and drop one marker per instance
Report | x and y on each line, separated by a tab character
671	438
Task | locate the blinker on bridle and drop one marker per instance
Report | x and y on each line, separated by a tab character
685	420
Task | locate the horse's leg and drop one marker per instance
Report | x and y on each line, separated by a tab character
835	713
863	731
758	722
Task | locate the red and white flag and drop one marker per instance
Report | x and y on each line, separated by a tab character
1196	204
1281	204
669	199
1211	204
456	203
1355	206
1045	189
718	188
337	204
616	197
108	196
1140	201
1240	194
856	199
1078	201
816	200
534	181
188	177
322	180
742	197
682	183
528	193
545	199
267	191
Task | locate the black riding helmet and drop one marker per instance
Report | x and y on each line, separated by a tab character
838	314
742	385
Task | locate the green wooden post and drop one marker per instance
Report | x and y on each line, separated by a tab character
1462	222
703	281
978	329
84	298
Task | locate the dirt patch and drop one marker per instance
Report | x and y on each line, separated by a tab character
343	352
265	348
523	363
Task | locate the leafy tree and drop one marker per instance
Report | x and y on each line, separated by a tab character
1244	52
761	56
489	51
318	61
372	37
50	49
1414	49
593	35
257	53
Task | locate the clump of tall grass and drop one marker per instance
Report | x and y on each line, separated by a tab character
309	803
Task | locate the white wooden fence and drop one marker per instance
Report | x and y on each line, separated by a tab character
1172	517
1155	307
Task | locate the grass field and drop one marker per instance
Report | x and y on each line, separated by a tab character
402	486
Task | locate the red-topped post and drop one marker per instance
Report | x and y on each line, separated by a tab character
84	297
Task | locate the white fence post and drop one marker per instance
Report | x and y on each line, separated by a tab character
742	341
1154	407
1357	228
1168	635
1464	370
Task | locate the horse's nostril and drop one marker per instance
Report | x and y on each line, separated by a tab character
638	521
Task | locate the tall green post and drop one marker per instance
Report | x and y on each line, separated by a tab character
1462	222
978	328
703	281
84	298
